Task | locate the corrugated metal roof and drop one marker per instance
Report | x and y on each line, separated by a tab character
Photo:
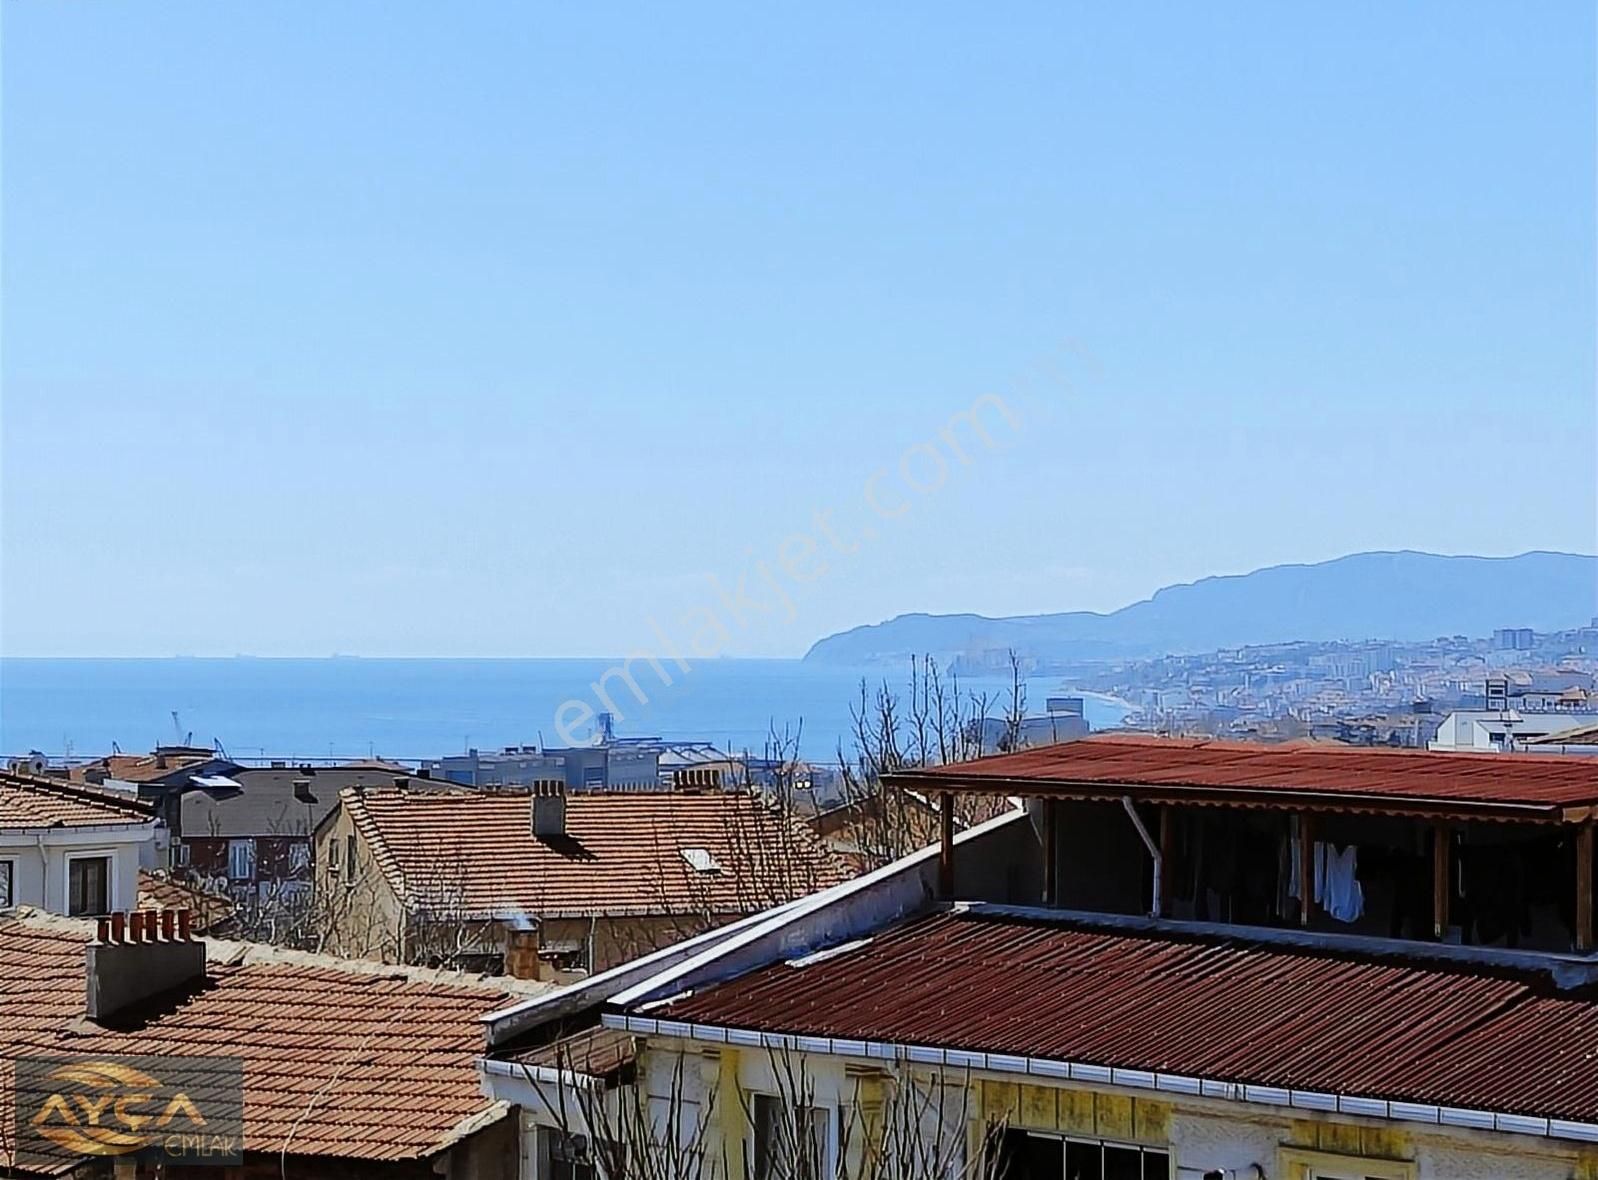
1198	770
597	1052
1414	1030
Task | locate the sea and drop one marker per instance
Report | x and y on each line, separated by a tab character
409	709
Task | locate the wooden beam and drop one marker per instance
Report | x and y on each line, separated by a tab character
1442	878
1584	873
946	847
1167	857
1306	867
1051	852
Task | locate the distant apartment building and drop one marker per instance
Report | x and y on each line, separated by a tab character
249	837
611	763
70	848
160	777
1514	639
1485	731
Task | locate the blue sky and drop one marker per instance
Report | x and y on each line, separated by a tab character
394	328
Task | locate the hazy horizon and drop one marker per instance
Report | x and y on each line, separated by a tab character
389	330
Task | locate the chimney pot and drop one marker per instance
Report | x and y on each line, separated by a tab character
185	924
102	930
120	973
549	808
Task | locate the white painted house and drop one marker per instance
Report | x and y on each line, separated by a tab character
72	849
1485	731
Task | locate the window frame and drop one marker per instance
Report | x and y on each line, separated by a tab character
831	1120
109	860
8	876
1302	1164
241	848
1065	1138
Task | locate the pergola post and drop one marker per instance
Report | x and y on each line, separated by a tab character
1051	852
946	846
1584	872
1442	868
1167	857
1306	867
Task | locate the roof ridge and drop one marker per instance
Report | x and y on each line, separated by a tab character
236	953
79	791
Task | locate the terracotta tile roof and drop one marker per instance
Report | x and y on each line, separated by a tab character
354	1060
624	853
1200	770
27	801
1227	1009
140	768
158	891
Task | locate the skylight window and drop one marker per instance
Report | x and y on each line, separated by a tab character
700	860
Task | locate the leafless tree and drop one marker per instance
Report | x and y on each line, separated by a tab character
936	724
909	1127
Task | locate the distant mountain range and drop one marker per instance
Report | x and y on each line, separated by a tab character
1401	596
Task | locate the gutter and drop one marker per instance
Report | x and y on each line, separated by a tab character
1275	798
543	1074
1104	1075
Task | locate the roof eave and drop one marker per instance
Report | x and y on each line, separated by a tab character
1265	798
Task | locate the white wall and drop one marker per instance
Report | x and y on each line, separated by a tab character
39	858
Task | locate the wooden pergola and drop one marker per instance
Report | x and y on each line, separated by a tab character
1305	785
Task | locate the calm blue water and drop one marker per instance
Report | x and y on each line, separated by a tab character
423	708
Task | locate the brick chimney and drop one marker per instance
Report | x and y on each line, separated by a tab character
521	948
137	955
549	809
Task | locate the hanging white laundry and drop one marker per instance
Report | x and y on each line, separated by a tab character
1320	869
1341	895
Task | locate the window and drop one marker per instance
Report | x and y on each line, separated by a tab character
180	854
349	860
88	886
563	1157
299	857
1026	1155
8	878
791	1142
241	860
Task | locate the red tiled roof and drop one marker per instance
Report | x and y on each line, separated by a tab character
139	768
340	1059
27	801
1198	770
622	852
1436	1032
